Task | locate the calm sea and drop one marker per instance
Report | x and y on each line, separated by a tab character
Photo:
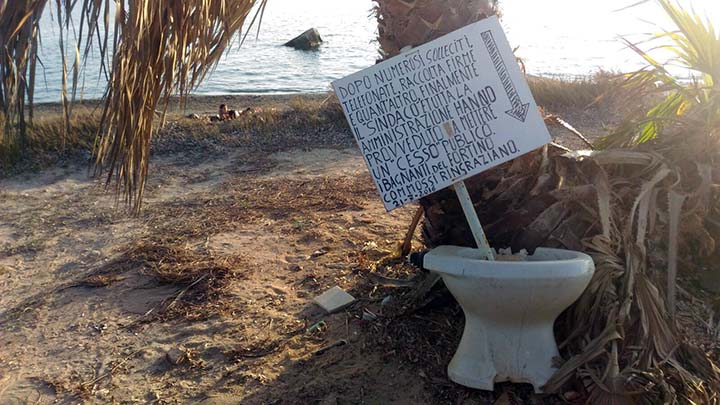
560	38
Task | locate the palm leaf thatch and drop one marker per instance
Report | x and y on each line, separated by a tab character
159	48
166	47
19	37
635	210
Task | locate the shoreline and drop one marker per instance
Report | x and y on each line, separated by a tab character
558	76
202	104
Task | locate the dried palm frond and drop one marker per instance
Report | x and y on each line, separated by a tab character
618	206
19	37
162	48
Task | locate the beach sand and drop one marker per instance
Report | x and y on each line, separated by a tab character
92	309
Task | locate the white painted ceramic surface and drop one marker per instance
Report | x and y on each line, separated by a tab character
510	308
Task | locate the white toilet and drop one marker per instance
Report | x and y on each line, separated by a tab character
510	308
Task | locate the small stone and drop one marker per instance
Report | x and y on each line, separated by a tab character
368	316
373	252
295	267
334	299
176	356
571	395
294	259
330	399
503	399
152	396
148	355
320	252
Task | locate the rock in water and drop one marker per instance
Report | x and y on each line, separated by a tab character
309	39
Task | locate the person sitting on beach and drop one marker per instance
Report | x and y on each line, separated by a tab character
226	114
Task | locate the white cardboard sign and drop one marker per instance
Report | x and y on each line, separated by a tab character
441	112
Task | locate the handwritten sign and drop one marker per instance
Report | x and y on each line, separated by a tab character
441	112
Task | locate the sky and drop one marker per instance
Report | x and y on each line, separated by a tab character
576	37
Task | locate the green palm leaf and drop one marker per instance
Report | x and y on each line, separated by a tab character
695	47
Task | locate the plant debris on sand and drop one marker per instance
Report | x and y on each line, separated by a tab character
238	234
242	229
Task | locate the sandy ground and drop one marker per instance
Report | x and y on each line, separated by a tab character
95	306
69	339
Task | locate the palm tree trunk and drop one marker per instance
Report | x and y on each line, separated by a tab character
414	22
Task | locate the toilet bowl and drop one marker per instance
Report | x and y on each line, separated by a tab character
510	308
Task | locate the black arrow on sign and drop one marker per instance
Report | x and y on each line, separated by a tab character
518	110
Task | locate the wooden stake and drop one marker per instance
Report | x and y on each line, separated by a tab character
473	220
407	243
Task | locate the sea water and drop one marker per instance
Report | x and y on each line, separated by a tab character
566	38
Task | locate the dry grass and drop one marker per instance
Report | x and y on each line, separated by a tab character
558	93
203	278
247	200
174	252
45	145
304	123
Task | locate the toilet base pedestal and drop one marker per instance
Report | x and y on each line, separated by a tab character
491	351
510	308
